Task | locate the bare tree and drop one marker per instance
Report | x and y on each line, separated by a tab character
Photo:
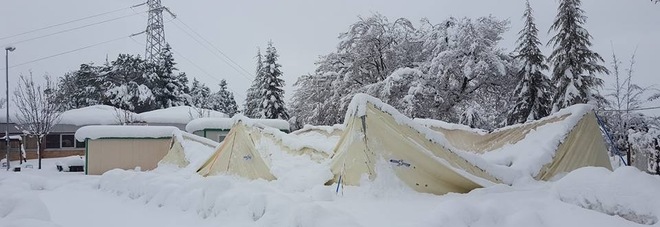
624	99
37	111
125	117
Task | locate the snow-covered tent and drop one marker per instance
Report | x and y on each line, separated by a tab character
376	132
317	145
188	150
324	130
439	162
125	147
556	144
238	155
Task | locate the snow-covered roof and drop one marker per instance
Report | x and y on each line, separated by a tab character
179	115
93	115
226	123
124	131
12	137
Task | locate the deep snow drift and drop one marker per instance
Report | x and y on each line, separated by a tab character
586	197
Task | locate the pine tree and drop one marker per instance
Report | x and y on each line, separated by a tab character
200	95
272	96
532	95
252	107
574	64
224	100
126	84
169	88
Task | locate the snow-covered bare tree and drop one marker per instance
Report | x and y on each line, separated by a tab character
252	106
532	95
624	98
426	72
38	111
466	65
574	65
272	97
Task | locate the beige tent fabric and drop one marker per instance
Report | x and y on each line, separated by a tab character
584	146
107	154
238	156
420	163
481	143
270	137
177	155
320	130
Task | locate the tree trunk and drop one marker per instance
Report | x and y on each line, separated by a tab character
629	155
39	140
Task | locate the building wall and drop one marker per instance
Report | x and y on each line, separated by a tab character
30	145
216	135
129	153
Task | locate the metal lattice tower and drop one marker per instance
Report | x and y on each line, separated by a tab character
155	31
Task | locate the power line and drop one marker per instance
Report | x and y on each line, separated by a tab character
206	73
637	109
75	28
69	51
63	23
213	52
214	47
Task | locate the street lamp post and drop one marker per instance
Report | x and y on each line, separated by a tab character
7	50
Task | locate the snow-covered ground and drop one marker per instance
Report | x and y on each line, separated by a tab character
585	197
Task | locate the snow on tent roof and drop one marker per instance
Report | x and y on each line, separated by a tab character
179	115
564	141
93	115
226	123
124	131
432	123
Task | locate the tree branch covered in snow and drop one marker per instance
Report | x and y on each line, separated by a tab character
430	71
38	112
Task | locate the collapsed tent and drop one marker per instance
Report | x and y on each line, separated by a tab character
455	159
238	155
317	142
566	140
187	149
327	131
377	132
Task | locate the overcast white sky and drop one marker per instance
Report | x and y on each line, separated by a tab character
302	30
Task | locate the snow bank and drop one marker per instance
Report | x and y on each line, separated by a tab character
123	131
627	192
588	196
227	123
20	205
179	115
228	200
94	115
